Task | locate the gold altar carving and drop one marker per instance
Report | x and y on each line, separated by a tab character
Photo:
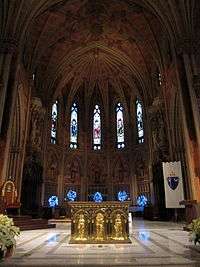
105	222
81	228
118	228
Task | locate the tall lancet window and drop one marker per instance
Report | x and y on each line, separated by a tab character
120	126
97	128
140	124
54	122
74	127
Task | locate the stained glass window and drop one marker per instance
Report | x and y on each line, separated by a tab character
71	195
54	121
120	126
74	127
97	197
96	128
122	196
140	124
53	201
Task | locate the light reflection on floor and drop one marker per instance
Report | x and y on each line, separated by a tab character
153	244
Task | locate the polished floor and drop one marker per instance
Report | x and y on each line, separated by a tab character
153	244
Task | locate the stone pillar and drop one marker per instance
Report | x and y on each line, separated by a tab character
8	96
7	50
190	117
196	86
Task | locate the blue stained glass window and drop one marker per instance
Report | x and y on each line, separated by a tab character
140	124
120	126
74	127
142	200
122	196
53	201
97	197
96	128
54	122
71	195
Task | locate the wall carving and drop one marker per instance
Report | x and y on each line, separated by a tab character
37	124
158	132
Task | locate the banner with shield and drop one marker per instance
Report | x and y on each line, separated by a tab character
173	183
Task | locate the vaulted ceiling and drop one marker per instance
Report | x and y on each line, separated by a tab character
99	42
94	42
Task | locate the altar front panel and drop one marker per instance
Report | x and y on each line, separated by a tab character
105	222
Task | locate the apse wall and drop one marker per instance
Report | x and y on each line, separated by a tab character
114	166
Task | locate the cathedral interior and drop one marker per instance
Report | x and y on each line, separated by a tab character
95	95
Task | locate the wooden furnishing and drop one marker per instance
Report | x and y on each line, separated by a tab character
191	209
105	222
9	196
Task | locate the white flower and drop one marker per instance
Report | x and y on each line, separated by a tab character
7	232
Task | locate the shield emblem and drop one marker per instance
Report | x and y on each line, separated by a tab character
173	182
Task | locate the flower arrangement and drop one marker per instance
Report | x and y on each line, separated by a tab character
7	234
194	228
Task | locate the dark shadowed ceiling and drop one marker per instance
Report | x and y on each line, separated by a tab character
88	42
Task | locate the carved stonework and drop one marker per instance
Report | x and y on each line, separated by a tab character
158	131
121	172
186	46
196	85
37	124
8	46
97	173
52	167
72	172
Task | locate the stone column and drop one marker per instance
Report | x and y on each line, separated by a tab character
7	50
8	93
190	117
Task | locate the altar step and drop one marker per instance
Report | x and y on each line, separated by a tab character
27	223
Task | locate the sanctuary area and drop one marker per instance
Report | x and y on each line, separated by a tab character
99	132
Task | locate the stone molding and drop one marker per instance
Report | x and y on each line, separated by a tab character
8	46
196	85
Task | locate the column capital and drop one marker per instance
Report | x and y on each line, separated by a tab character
8	45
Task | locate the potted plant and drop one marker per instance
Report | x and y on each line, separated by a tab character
194	228
7	236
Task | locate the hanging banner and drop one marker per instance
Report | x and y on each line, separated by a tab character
173	183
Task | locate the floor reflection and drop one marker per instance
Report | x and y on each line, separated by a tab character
153	244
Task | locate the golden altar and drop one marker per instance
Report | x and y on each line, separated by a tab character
105	222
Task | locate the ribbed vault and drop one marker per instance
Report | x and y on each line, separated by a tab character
95	42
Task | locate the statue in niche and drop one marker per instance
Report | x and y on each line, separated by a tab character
118	228
37	123
81	226
73	173
121	174
97	179
159	138
100	231
31	183
158	130
140	167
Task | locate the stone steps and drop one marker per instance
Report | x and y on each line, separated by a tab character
27	223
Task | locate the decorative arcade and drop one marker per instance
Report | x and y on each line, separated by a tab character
104	222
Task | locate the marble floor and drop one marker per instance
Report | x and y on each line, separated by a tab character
153	244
